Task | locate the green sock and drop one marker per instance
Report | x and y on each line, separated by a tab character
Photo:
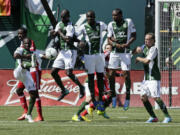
128	87
163	107
82	107
31	105
149	108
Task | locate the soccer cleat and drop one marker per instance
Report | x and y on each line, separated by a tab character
81	95
100	112
126	105
63	94
29	118
105	116
75	118
38	119
167	120
90	111
85	118
22	117
151	119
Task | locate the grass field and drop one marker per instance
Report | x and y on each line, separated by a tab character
58	122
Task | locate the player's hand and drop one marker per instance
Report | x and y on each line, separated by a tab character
81	44
138	49
52	33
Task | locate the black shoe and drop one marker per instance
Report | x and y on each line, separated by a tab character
81	95
63	94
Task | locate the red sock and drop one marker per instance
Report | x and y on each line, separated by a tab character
92	106
105	97
38	107
84	113
23	103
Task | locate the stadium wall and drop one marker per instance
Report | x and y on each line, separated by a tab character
134	9
49	91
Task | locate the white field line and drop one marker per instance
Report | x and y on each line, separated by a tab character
88	124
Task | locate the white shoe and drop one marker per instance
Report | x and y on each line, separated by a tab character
167	120
29	118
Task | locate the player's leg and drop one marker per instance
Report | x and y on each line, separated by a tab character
57	78
57	65
23	102
145	93
125	65
149	109
75	79
154	87
36	75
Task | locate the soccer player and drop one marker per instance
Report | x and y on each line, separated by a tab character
93	54
67	54
36	75
23	63
90	106
151	84
121	34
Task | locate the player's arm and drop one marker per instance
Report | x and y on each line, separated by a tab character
143	60
18	55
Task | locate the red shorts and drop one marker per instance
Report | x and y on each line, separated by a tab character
36	75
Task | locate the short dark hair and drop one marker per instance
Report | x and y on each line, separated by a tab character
152	35
23	29
119	11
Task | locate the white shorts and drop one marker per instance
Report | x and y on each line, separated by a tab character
66	59
24	76
122	60
150	88
94	63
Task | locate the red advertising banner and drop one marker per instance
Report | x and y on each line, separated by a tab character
49	91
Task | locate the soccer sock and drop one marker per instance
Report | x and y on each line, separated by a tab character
163	107
92	106
105	97
91	86
75	79
149	108
23	103
31	105
38	107
106	84
82	107
84	113
128	87
57	79
112	85
100	83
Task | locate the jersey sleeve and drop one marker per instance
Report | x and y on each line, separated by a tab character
110	30
131	26
103	26
80	30
152	53
70	31
19	50
57	27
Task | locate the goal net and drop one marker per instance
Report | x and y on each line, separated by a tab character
167	31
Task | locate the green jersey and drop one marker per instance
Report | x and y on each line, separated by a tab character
25	62
93	37
122	33
151	70
67	30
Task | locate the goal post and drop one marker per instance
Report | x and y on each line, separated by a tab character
167	33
